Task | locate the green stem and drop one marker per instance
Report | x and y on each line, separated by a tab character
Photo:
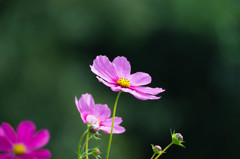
87	145
163	150
79	145
87	155
114	112
84	145
153	155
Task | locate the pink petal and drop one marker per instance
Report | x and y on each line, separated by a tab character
76	102
113	86
38	154
122	66
5	144
102	111
92	119
140	95
39	140
86	104
6	156
149	90
108	122
25	131
139	79
2	133
84	117
104	68
9	132
116	129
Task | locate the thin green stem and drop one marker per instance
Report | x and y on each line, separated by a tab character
114	112
87	145
153	155
84	145
87	155
79	145
163	150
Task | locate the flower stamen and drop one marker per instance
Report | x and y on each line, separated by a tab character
19	149
99	121
123	82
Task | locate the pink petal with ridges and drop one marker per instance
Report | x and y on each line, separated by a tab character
139	79
113	86
25	131
102	111
149	90
39	140
108	122
116	129
139	95
9	132
5	144
86	104
104	68
122	66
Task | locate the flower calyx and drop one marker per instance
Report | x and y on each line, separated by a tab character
93	129
96	152
156	149
177	139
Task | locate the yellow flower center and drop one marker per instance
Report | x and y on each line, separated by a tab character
19	149
123	82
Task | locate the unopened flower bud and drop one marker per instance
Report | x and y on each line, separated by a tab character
96	152
177	139
158	148
93	129
179	136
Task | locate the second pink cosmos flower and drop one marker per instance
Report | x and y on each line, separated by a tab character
25	143
97	114
117	75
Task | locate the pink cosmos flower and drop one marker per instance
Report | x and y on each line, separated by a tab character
117	75
23	144
97	114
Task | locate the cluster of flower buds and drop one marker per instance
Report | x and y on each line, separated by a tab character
177	139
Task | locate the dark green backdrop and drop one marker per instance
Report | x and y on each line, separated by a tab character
190	48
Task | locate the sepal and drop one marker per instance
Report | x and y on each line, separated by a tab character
177	139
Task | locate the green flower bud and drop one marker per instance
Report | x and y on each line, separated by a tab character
93	129
177	139
96	152
156	149
179	136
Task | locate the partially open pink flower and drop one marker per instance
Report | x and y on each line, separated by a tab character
117	75
97	114
25	144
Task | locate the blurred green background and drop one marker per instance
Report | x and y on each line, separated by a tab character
191	48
